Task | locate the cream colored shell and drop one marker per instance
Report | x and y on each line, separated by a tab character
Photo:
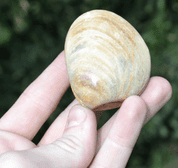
107	60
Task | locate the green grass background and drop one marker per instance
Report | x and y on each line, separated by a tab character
32	34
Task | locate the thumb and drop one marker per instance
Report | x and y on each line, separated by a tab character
77	146
78	142
79	138
80	135
75	149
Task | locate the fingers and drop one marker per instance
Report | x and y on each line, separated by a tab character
75	149
123	134
157	93
38	101
158	90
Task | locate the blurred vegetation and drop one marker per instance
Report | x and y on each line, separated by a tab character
32	34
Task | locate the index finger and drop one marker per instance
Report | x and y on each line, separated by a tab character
38	101
156	95
123	134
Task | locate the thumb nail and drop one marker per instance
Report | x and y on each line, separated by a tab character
77	115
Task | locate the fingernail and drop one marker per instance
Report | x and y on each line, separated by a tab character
76	116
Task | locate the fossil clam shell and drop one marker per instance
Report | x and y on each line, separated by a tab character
107	60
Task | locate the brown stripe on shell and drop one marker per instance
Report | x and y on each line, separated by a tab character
90	43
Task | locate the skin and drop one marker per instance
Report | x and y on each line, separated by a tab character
75	144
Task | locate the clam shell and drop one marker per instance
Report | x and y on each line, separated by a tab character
107	60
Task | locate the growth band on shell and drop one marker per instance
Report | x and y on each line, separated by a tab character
107	60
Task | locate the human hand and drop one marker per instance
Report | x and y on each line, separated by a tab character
72	144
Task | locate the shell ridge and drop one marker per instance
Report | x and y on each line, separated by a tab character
107	59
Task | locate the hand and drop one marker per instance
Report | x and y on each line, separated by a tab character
72	140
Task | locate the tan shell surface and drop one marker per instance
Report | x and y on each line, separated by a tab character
107	59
